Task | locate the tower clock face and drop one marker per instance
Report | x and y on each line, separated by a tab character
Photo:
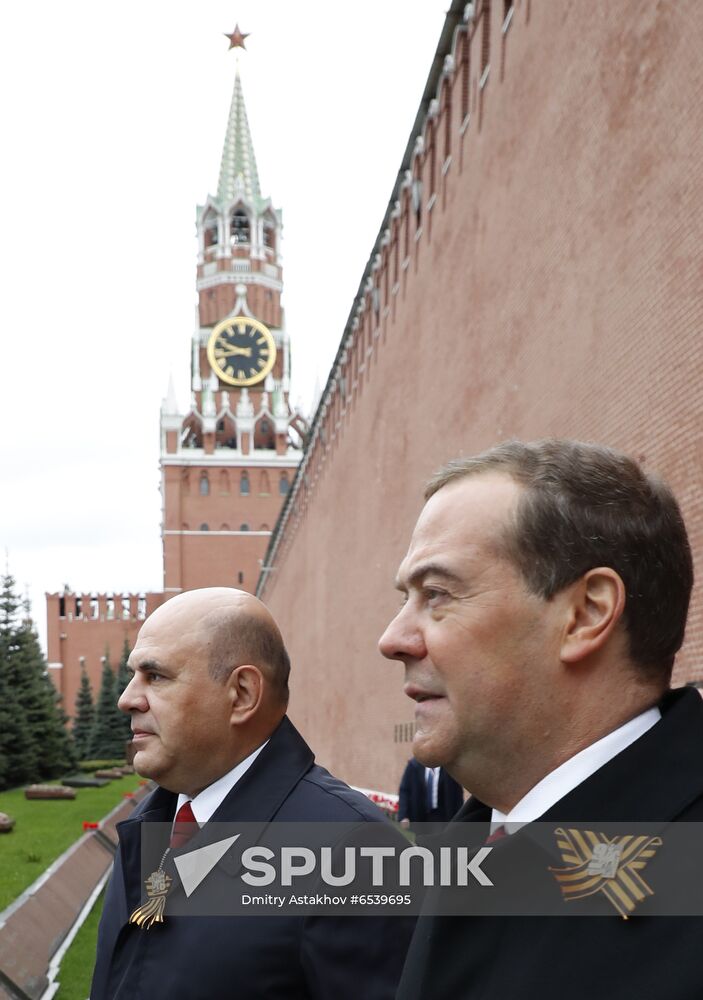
241	351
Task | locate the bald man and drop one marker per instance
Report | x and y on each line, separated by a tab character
207	700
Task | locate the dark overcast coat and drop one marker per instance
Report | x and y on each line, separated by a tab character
657	778
284	956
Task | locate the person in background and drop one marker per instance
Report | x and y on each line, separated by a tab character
427	795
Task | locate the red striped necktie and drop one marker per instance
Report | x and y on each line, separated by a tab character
497	834
184	826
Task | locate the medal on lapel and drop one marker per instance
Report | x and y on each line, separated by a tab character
158	883
611	866
152	912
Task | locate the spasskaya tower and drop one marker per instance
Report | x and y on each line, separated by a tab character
228	461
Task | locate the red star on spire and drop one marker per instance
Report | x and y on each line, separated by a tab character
236	39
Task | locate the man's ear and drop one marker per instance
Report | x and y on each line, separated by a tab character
245	687
596	604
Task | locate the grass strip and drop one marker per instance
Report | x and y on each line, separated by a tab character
46	828
76	970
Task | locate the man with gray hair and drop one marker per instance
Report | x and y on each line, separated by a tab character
546	592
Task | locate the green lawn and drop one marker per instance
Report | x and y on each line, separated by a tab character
45	828
76	969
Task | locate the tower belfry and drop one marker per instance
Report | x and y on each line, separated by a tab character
228	461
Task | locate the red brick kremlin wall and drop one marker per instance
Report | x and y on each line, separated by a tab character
551	284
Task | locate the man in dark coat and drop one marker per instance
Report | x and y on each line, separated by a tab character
207	700
427	795
547	588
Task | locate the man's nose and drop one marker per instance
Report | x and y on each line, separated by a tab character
402	640
133	698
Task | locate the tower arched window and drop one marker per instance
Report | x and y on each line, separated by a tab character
244	527
239	227
269	233
204	485
244	484
224	482
264	434
210	231
283	484
204	527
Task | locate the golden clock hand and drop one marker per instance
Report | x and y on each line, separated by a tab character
245	351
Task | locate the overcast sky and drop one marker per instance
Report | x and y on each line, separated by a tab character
112	123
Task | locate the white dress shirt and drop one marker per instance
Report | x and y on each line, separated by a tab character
563	779
432	775
206	802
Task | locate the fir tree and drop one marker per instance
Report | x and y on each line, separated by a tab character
123	679
108	738
42	704
17	743
9	605
84	718
33	740
18	758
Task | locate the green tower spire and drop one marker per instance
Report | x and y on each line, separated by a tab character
238	171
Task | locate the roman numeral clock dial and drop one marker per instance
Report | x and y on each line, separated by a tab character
241	351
